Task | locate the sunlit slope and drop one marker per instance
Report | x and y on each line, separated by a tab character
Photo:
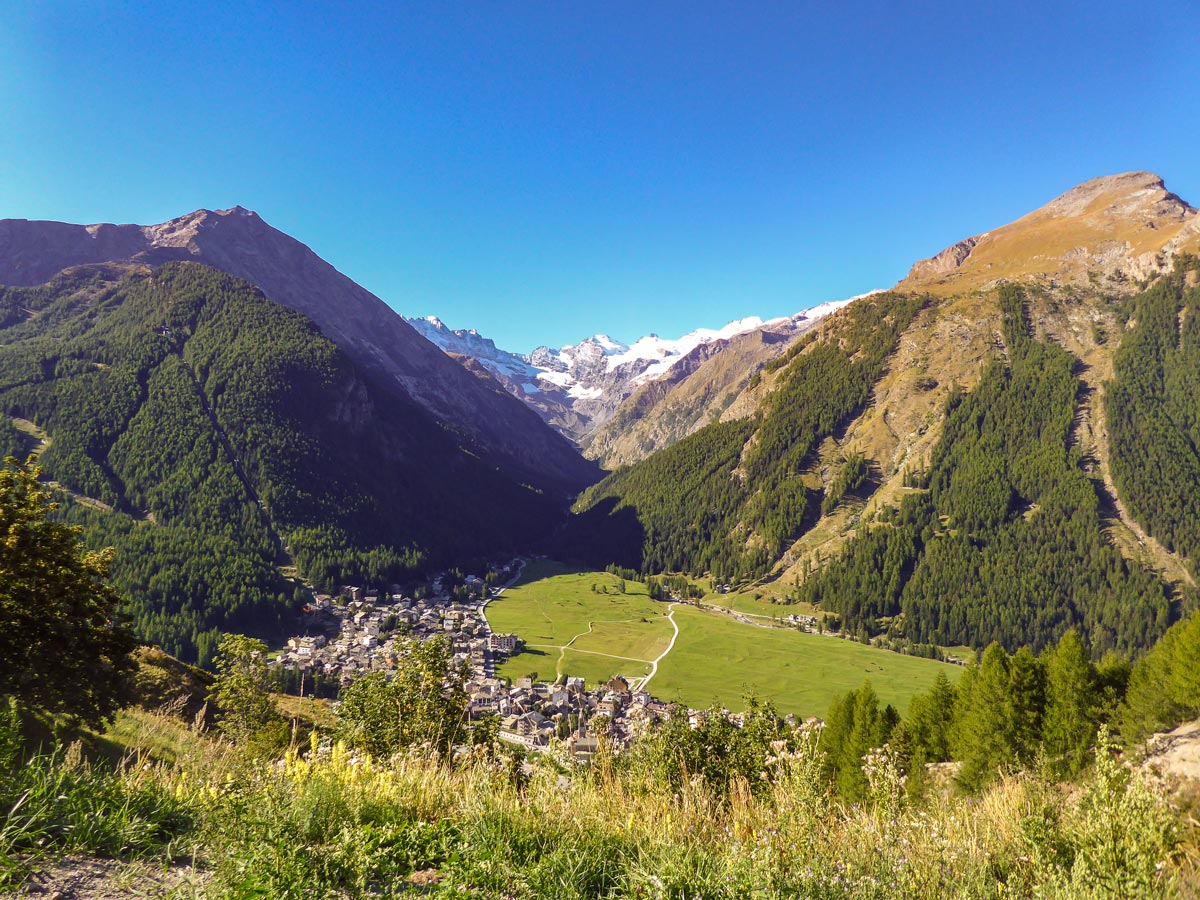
1117	227
569	628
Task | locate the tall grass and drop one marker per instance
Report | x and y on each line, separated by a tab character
56	803
327	823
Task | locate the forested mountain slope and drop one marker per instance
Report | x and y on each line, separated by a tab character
730	498
1003	541
1016	457
488	420
1153	409
215	438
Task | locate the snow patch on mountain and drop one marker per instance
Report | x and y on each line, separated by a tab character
584	382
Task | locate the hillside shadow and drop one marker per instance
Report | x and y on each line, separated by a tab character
601	535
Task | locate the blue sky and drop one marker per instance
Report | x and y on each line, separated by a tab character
544	171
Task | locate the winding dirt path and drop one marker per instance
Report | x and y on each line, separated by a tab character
562	650
654	663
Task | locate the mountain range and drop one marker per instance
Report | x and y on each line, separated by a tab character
1000	448
579	388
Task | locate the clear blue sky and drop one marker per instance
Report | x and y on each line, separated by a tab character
543	171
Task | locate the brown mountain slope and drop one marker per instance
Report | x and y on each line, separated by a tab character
1126	226
239	242
1078	257
702	387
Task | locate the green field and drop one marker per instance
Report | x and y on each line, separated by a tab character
715	659
608	633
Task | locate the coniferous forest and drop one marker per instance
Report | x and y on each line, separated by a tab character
222	445
1004	541
1153	409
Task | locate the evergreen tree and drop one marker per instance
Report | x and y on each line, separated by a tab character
63	649
1162	686
854	725
1071	704
985	734
1027	699
930	721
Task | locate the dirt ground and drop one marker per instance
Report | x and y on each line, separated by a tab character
88	878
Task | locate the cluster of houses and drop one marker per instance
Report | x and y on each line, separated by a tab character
532	714
357	631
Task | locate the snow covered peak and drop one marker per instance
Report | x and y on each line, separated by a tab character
607	344
599	371
663	353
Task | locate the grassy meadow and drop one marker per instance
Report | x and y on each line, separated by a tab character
717	659
570	628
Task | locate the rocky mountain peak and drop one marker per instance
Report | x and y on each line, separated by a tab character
1125	226
1125	195
239	242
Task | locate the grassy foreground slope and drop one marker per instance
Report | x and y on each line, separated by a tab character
334	824
570	628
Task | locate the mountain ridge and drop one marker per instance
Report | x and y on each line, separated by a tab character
241	243
1125	226
581	388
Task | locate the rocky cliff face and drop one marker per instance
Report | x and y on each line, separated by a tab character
239	242
1116	229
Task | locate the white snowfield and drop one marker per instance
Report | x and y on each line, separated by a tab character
583	371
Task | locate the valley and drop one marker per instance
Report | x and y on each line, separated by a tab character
558	451
904	551
596	625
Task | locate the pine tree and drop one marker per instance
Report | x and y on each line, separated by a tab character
63	649
984	736
854	725
1071	704
931	718
1027	699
